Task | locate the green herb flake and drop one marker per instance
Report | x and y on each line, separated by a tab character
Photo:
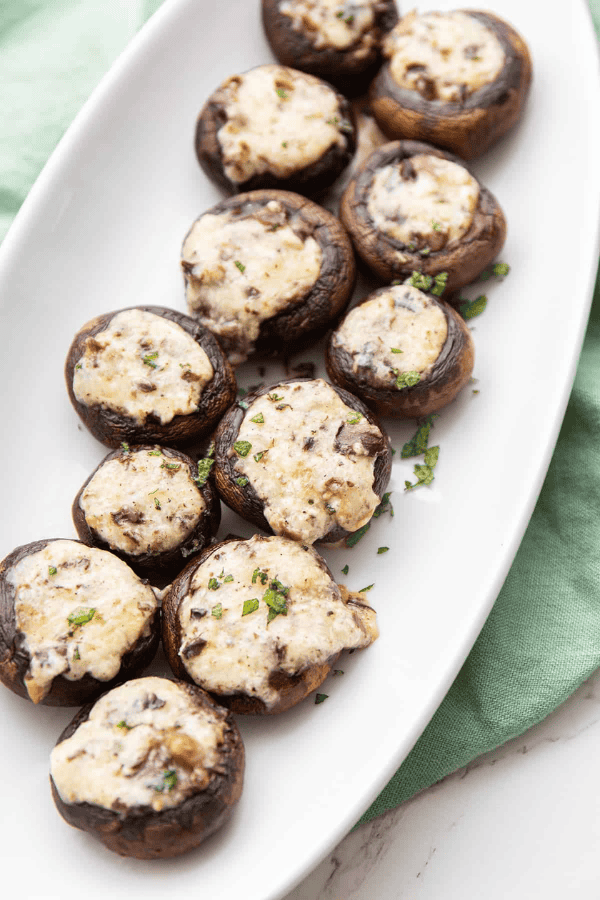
406	379
52	570
242	481
154	452
123	724
274	397
346	569
364	590
419	281
354	538
81	615
76	654
439	285
396	350
242	448
275	598
424	472
169	781
284	144
240	265
258	456
172	466
125	447
320	698
242	404
334	121
418	443
435	225
281	93
148	360
384	506
340	14
261	576
425	252
204	467
157	503
471	308
79	366
213	584
501	269
228	579
381	550
250	606
217	611
349	20
354	419
259	419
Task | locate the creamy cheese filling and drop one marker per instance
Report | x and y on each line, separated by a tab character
310	458
331	23
145	743
424	201
278	120
243	269
232	641
141	365
400	330
443	56
80	610
144	501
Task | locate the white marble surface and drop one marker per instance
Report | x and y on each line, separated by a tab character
522	822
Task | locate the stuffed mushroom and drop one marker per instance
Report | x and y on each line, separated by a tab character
150	770
403	351
414	207
339	40
148	375
267	270
275	127
303	459
458	79
259	623
74	621
150	506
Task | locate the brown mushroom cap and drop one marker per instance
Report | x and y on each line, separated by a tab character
450	372
290	688
243	499
302	321
159	568
468	127
15	658
310	179
350	69
389	258
142	832
112	428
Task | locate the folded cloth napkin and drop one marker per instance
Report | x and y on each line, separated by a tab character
529	656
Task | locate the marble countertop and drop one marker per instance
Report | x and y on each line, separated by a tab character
522	821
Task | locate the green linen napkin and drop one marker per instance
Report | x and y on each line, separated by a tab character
529	657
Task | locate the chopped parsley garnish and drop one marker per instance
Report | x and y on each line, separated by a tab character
274	397
169	780
340	14
320	698
471	308
425	251
81	615
330	509
204	467
76	654
384	506
242	481
157	503
242	448
258	418
123	724
258	456
284	144
250	606
154	452
364	590
349	20
354	538
419	281
228	579
353	420
242	404
281	93
125	447
424	472
381	550
346	126
213	584
240	265
435	225
148	360
500	270
406	379
439	284
217	611
418	442
346	569
52	570
261	576
334	121
396	350
275	598
172	466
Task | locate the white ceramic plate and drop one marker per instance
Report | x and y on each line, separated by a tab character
102	230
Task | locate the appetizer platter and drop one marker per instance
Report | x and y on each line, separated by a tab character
101	235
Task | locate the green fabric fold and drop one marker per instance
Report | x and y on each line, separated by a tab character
529	656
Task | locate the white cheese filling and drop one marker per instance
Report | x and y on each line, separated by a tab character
145	743
80	610
243	269
278	121
228	649
400	330
141	365
331	23
295	464
443	56
424	202
142	502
